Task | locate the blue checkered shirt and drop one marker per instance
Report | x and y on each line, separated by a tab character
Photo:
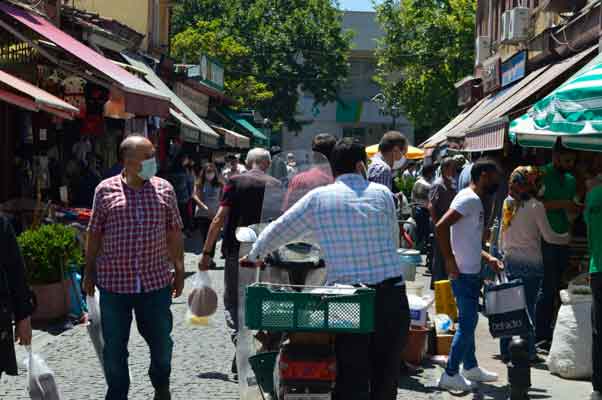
380	172
355	225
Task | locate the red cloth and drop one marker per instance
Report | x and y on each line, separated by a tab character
134	226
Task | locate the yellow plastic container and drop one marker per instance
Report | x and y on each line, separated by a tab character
445	303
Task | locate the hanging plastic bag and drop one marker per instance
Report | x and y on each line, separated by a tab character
202	300
506	308
95	326
40	378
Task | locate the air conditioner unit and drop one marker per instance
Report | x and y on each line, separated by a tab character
482	49
518	25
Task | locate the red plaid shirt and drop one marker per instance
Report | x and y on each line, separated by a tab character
134	226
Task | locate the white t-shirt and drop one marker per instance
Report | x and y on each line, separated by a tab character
467	233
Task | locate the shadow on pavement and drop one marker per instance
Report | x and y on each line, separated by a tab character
218	376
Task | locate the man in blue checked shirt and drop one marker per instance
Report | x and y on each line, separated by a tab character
355	224
391	156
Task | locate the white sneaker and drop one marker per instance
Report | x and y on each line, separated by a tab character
455	383
478	374
596	395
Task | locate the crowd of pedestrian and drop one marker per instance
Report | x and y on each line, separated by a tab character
135	249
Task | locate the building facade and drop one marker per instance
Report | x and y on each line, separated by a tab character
152	18
355	114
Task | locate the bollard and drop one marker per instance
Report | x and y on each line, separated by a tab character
519	369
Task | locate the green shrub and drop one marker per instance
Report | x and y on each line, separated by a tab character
48	251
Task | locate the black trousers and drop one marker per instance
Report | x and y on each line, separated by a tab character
203	224
555	261
596	284
368	366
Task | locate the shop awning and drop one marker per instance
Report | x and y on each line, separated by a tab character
482	127
492	128
573	111
141	98
208	136
33	98
233	139
239	120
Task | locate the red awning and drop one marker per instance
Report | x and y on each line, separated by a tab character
33	98
141	98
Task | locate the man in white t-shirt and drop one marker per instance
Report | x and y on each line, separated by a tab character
459	234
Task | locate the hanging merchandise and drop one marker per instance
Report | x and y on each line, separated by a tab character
96	97
74	93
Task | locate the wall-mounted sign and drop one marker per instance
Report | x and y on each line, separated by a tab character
490	74
469	91
515	68
197	101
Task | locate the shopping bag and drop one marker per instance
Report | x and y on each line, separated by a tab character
506	308
95	326
41	383
202	300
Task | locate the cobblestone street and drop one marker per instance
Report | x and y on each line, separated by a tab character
203	356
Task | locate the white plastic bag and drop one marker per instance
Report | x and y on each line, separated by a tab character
40	378
95	326
571	352
202	300
418	309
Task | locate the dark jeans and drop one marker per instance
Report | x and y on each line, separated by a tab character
203	224
555	261
596	285
231	290
423	225
532	284
154	321
438	270
466	288
368	366
184	214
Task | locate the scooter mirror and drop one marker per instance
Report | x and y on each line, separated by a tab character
246	235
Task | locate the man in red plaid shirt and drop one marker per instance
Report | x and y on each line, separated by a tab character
134	241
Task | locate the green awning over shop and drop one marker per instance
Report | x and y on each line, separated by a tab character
573	111
242	122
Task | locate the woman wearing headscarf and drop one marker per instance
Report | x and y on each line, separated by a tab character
524	224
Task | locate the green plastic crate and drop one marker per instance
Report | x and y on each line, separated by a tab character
274	308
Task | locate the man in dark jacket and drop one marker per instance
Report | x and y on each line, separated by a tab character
15	300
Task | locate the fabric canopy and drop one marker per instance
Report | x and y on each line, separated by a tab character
414	153
208	135
233	139
257	134
573	111
42	100
141	98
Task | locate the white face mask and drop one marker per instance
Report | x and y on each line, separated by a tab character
399	163
210	176
149	169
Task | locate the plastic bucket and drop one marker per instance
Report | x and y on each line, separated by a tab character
416	345
263	367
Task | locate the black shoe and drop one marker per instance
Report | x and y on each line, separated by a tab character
162	393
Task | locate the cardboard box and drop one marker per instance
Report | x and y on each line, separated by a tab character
443	343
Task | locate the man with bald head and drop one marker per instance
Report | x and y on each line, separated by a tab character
134	243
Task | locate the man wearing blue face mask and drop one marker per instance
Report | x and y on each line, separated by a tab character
391	155
134	241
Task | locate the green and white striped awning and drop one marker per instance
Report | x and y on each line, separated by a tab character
573	111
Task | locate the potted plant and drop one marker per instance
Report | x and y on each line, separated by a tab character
48	251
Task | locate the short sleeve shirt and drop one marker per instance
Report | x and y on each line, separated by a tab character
593	219
380	172
243	194
557	189
441	197
134	226
467	233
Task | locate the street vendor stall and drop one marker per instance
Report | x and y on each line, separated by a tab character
414	153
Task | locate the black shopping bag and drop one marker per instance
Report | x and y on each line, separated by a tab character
506	308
